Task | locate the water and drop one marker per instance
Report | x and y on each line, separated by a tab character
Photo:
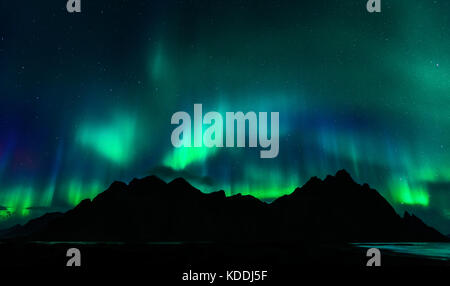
163	243
79	242
433	250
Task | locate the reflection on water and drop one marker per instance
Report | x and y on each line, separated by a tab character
434	250
116	242
79	242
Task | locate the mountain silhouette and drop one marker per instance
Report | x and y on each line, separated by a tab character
335	209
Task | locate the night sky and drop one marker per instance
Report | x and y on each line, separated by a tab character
86	99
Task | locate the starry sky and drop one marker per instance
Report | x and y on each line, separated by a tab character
87	98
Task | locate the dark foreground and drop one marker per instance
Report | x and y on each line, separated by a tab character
168	262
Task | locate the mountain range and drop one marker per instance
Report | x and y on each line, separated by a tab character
335	209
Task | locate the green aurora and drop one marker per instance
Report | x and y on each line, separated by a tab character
87	99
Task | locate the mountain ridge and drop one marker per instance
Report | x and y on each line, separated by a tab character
335	209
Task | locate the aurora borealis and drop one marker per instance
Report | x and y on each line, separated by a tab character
86	99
